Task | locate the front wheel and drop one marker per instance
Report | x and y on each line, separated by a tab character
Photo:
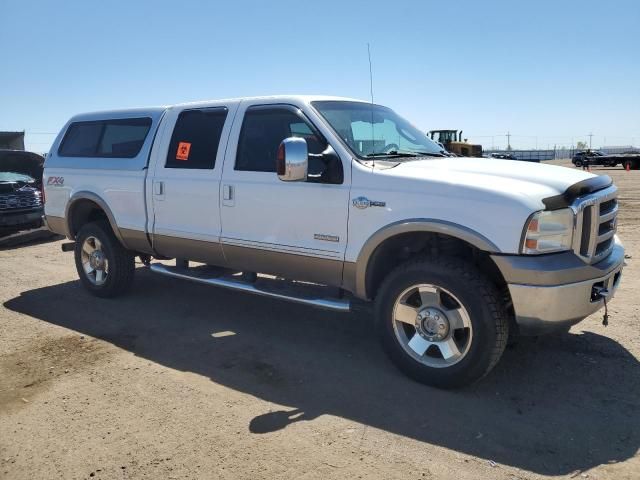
578	163
441	321
104	266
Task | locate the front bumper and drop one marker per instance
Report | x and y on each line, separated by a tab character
18	220
543	304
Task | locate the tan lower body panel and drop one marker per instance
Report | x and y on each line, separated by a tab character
57	225
196	250
135	240
287	265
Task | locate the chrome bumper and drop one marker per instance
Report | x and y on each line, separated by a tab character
541	308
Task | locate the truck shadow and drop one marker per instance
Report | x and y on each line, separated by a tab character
28	238
551	406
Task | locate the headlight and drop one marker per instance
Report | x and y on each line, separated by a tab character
548	231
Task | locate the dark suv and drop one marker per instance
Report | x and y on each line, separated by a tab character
21	202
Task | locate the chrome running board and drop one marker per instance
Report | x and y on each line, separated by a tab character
334	304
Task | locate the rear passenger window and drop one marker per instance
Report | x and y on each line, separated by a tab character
81	140
123	139
116	138
195	139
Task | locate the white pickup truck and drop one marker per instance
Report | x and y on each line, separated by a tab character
341	196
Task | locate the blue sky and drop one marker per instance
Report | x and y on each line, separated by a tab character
549	72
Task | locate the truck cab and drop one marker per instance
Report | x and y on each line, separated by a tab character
454	255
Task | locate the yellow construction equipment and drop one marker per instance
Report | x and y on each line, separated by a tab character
452	142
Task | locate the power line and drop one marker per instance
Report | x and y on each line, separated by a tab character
29	132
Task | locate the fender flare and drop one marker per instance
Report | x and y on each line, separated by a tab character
409	226
85	195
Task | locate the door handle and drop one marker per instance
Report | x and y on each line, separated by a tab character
158	188
228	195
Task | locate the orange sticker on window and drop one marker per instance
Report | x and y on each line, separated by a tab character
183	151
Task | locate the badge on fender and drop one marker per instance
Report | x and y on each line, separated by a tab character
364	202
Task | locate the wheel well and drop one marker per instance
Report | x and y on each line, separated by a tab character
82	212
402	247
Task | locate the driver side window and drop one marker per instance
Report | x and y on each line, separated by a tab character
262	131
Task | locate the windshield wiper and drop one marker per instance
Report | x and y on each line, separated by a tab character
398	154
390	155
431	154
393	153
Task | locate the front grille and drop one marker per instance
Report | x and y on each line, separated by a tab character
608	206
596	224
20	199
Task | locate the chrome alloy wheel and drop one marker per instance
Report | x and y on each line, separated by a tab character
94	261
432	325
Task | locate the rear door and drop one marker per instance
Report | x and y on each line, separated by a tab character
185	186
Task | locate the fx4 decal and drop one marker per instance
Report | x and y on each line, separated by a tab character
55	181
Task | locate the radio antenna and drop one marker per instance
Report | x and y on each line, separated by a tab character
370	73
373	143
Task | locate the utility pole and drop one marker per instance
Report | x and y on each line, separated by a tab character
508	140
590	137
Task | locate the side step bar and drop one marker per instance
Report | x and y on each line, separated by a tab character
337	305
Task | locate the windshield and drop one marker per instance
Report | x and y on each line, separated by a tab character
14	177
373	130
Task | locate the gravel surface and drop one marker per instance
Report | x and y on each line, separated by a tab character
178	380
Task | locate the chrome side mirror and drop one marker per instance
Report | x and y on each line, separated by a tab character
292	160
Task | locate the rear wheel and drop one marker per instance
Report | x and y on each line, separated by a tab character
104	266
441	321
578	163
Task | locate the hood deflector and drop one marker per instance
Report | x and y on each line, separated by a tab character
585	187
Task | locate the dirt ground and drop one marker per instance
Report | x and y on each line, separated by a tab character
178	380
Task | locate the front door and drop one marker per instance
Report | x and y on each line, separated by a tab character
185	185
294	229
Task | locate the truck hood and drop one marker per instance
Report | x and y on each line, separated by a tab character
21	162
491	197
512	178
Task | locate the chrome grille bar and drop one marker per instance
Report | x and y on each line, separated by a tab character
596	224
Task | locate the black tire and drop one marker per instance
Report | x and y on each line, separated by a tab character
120	260
474	291
578	163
